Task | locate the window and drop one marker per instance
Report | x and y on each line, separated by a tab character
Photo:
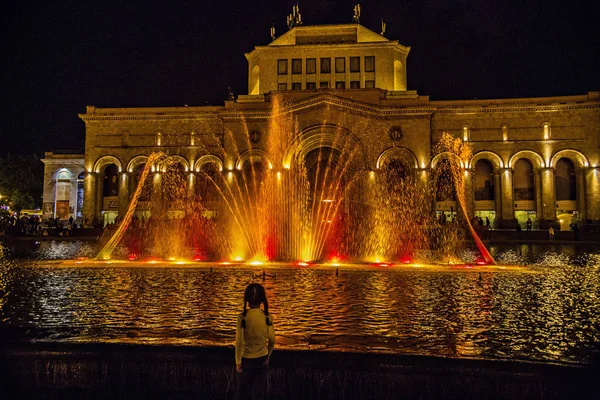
369	84
340	85
311	85
296	86
354	84
282	67
324	84
325	65
504	132
340	64
466	131
296	66
354	64
311	65
370	64
546	129
282	86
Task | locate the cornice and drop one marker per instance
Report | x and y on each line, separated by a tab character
355	106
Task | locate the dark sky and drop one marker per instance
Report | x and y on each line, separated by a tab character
60	56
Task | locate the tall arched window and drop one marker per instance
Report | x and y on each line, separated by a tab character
466	133
445	190
146	193
523	181
546	130
207	180
564	174
484	181
504	129
110	185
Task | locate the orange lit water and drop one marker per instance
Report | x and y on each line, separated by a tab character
534	313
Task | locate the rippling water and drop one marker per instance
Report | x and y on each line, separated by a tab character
545	311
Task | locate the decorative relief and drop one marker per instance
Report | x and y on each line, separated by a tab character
396	133
255	136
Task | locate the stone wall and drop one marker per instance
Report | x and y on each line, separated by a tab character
46	370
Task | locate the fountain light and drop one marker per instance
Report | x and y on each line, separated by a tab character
406	260
303	263
256	262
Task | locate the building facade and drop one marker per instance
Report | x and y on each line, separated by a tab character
535	158
63	186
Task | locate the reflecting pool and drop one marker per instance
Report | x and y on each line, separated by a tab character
547	310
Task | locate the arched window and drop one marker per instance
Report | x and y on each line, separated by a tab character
523	182
147	188
207	180
546	130
564	174
445	190
466	132
174	184
110	185
159	138
484	181
504	129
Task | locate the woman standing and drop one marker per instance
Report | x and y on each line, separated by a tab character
254	342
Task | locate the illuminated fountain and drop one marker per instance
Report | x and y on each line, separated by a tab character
304	196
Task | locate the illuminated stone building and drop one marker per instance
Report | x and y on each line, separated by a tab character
535	158
63	186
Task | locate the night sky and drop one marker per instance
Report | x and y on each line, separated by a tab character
60	56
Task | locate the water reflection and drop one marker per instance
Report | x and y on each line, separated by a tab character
545	311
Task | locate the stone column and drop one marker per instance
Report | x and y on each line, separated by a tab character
191	184
89	196
157	202
508	212
537	184
548	194
497	196
99	196
469	196
580	186
123	193
592	193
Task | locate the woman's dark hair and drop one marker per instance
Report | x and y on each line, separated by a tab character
255	295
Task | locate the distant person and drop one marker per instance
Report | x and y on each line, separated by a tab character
551	233
575	228
487	223
254	342
519	227
529	223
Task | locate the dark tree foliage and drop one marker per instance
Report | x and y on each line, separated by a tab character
21	179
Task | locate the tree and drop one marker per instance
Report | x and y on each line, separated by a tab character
21	178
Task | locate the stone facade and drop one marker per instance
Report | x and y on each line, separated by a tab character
63	186
533	158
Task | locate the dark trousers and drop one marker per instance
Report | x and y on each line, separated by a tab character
252	381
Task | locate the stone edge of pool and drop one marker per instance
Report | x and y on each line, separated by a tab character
112	370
